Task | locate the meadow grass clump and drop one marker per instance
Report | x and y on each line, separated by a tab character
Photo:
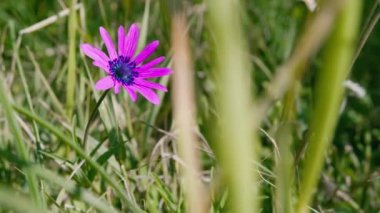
189	106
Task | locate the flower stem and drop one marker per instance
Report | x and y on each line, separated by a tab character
92	117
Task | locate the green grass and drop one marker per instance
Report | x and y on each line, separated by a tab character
275	128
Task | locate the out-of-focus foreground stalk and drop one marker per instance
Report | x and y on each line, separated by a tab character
284	160
237	143
184	115
21	148
329	92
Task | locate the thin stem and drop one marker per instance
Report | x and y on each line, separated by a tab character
92	117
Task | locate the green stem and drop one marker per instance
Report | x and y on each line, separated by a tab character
329	94
92	117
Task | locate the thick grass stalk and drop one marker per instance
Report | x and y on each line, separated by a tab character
284	169
284	139
184	115
284	161
237	144
11	200
71	74
21	148
329	93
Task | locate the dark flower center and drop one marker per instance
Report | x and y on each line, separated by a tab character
123	70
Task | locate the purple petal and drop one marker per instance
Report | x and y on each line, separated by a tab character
101	65
148	94
131	40
155	72
152	85
132	93
120	42
146	52
153	63
108	42
117	88
94	53
104	83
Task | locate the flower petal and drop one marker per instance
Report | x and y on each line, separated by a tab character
152	85
101	65
155	72
117	88
132	93
146	52
94	53
120	40
148	94
108	42
152	63
104	83
131	40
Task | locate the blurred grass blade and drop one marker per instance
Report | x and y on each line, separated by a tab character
144	25
237	144
71	72
17	202
329	92
284	169
21	148
184	117
284	139
309	42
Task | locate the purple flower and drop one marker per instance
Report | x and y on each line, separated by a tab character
126	70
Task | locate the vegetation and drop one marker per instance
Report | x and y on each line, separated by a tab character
273	106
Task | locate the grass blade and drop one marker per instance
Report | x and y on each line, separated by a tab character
184	117
21	148
17	203
107	178
329	93
71	72
237	144
70	187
